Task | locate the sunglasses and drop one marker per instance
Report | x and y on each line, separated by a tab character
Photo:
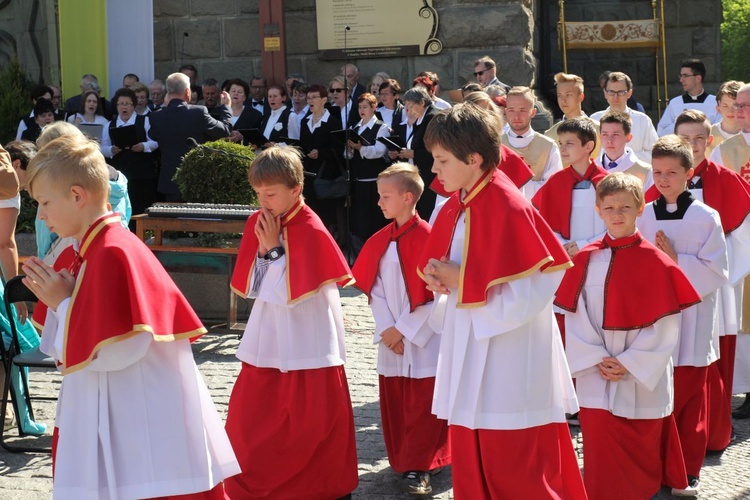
335	91
480	73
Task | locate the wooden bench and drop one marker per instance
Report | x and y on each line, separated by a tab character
199	260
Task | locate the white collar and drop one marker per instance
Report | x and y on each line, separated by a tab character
746	136
370	123
626	160
131	120
419	121
525	135
277	112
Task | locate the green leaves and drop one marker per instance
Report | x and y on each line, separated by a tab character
735	40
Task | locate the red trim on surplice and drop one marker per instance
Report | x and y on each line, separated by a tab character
313	259
637	267
505	239
555	199
409	240
724	190
511	164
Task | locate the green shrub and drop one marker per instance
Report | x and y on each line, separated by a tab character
15	98
209	177
735	40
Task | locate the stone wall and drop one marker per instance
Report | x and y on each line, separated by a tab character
224	41
692	30
28	30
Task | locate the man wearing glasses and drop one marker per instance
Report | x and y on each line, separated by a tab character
485	72
694	96
617	90
258	92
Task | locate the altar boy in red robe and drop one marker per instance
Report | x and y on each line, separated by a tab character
134	418
622	300
502	381
290	416
386	270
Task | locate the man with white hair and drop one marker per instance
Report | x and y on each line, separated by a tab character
179	121
351	73
156	92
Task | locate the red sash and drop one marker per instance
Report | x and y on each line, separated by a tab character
505	238
121	290
555	199
313	259
724	190
511	164
646	284
409	240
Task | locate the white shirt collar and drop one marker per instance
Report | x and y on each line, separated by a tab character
131	120
746	136
370	123
323	119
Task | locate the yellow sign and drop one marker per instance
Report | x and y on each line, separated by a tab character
386	28
272	44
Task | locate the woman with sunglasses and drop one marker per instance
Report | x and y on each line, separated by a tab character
339	97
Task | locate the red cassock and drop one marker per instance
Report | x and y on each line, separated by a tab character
728	193
643	285
108	259
304	236
414	438
511	164
555	199
488	260
293	432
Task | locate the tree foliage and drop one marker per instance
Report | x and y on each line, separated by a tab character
205	176
15	100
735	40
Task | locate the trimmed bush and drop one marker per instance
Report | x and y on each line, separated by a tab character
210	177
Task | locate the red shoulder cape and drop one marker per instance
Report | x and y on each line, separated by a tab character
121	290
511	164
724	190
505	238
646	285
313	259
409	240
555	199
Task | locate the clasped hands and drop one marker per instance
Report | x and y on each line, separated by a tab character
441	275
611	369
267	230
50	286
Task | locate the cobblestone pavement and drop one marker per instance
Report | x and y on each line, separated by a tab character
28	476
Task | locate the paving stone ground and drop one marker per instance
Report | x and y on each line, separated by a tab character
28	476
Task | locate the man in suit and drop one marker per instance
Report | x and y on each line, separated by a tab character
351	73
258	92
485	71
178	121
156	92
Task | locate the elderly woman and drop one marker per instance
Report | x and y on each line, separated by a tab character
339	95
141	98
392	111
375	83
136	161
366	163
419	112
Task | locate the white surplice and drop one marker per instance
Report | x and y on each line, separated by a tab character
501	365
647	391
698	240
390	307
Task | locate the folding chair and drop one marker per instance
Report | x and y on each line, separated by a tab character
16	291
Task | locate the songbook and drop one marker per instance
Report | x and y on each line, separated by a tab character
124	137
393	143
340	137
253	136
91	130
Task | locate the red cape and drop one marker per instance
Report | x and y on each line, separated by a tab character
646	284
121	290
313	259
724	190
511	164
409	240
505	239
555	199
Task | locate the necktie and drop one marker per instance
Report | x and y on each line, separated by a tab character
611	165
257	103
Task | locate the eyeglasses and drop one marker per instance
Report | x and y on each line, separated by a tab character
312	97
745	106
257	87
335	91
125	104
686	75
480	73
618	93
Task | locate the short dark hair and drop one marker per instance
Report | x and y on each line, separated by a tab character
391	84
188	67
671	146
43	106
280	88
210	82
124	92
617	117
320	89
23	151
582	127
132	75
39	90
487	61
466	129
693	116
240	83
696	66
299	87
261	78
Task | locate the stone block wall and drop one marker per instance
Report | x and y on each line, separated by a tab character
223	41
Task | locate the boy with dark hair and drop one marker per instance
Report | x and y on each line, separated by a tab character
386	270
290	417
690	233
134	417
694	96
621	356
616	133
502	380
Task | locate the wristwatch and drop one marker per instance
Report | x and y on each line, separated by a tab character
274	253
